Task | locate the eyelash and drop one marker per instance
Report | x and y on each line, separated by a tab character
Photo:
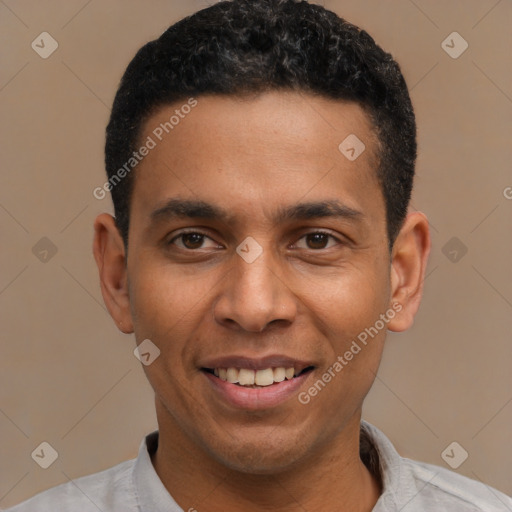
195	232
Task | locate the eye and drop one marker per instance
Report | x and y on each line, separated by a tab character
318	240
192	240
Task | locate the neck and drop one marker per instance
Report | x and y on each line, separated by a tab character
332	480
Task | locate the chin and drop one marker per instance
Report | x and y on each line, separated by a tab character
261	457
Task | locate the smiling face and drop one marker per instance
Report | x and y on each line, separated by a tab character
255	244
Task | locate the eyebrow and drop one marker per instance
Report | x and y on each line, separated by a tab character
195	209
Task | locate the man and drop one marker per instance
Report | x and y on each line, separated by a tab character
260	156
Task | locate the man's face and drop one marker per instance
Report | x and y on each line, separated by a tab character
321	278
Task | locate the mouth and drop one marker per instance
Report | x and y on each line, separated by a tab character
256	384
254	379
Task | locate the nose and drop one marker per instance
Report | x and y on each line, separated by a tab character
254	295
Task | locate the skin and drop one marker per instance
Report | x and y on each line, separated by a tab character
304	297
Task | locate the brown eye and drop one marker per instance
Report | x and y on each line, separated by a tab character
317	240
192	240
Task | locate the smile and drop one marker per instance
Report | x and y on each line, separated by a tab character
256	384
256	378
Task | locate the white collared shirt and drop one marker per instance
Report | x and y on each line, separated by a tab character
134	486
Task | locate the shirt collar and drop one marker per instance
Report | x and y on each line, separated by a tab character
150	491
152	494
398	486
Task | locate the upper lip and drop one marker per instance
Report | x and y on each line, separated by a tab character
255	363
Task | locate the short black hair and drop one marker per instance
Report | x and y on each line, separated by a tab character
251	46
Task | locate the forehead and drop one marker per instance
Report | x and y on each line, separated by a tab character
259	151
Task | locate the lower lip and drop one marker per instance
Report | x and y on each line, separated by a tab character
257	398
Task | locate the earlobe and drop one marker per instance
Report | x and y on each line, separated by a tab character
109	253
408	265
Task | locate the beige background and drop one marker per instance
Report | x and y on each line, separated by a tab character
69	377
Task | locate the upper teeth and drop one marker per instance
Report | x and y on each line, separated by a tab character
246	377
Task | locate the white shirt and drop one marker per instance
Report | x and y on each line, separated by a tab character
134	486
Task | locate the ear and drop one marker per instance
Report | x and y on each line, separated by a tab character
109	253
408	265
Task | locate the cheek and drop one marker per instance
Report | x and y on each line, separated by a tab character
345	302
169	310
167	305
347	310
